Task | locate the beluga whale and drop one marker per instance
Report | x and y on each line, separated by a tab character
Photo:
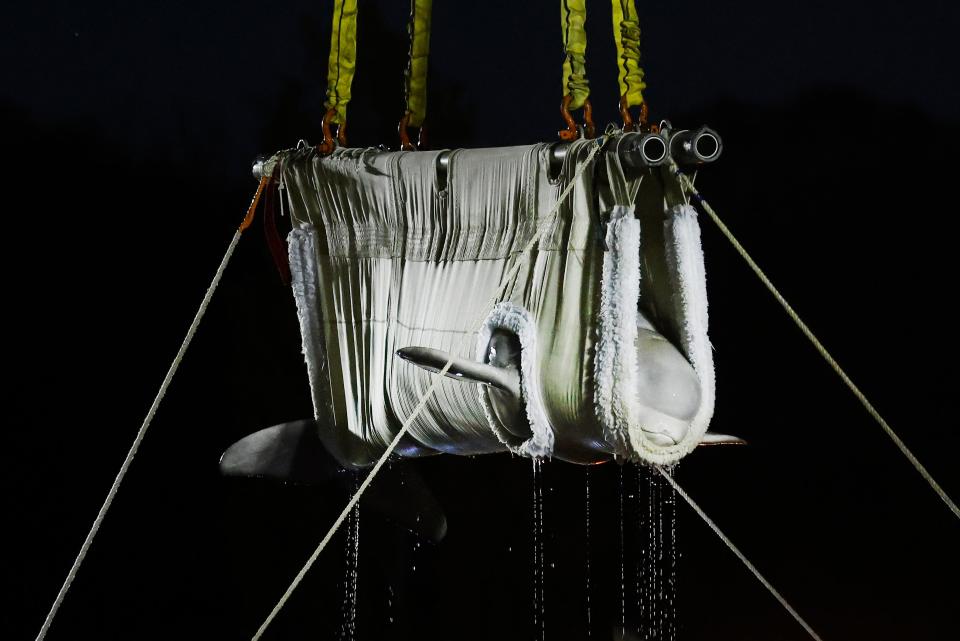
563	285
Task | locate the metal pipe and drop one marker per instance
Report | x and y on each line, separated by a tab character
692	147
686	147
649	150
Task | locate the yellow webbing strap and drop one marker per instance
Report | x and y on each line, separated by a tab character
573	17
416	74
343	57
626	33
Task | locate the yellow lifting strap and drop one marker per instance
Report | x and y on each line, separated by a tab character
626	33
416	74
343	58
573	17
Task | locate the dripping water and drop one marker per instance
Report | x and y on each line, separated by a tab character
589	618
348	626
389	581
415	552
390	605
657	585
639	558
536	575
646	530
623	597
671	507
658	555
539	618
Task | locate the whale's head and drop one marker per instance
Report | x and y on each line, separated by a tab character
668	390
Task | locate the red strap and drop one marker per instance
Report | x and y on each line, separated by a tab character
274	242
252	210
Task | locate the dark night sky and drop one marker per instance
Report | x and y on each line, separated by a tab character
129	129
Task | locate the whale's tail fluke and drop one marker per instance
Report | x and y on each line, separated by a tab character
296	452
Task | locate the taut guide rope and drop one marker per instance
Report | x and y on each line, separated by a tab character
688	184
733	548
548	220
71	575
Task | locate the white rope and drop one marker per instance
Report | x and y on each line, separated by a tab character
733	548
71	575
97	522
511	273
819	346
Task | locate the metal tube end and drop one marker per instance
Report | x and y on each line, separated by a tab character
693	147
257	169
646	150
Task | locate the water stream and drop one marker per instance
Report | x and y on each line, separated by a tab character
348	626
656	592
587	554
539	605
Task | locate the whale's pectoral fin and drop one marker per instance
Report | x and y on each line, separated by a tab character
463	369
296	452
712	438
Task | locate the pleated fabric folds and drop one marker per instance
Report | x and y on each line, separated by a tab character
386	253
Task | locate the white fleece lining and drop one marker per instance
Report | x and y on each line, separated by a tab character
684	257
517	319
616	357
615	381
689	283
301	247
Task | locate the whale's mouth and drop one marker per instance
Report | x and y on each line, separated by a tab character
658	429
661	439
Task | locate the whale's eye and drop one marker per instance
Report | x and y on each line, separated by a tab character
503	350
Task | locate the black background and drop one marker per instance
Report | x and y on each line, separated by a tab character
128	132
